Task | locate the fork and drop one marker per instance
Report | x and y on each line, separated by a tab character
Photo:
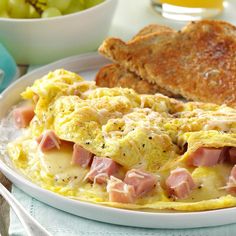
32	227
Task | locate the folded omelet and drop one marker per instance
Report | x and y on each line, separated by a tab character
151	134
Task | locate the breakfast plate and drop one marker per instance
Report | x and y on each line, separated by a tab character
87	65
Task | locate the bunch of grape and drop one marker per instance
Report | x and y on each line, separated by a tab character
43	8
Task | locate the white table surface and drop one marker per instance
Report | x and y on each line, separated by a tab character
132	15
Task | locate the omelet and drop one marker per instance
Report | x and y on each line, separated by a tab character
114	147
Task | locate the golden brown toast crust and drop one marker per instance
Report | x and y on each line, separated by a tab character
114	75
199	62
152	29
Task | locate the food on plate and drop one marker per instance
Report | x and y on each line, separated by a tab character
23	116
43	8
152	29
115	147
197	62
180	183
115	75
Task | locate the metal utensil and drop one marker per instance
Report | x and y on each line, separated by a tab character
32	227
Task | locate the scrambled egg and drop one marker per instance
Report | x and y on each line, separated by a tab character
136	131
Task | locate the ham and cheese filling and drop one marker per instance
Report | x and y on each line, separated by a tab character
142	182
23	115
101	169
118	148
232	155
135	183
48	140
231	184
206	157
81	156
180	183
119	191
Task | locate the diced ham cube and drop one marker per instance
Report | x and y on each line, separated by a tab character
224	156
180	183
48	140
101	169
119	191
143	182
206	156
231	185
35	98
23	115
232	155
81	156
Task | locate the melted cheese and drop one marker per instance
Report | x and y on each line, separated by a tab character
209	181
219	124
56	161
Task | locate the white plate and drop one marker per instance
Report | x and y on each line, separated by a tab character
87	65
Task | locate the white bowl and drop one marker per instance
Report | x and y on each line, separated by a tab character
40	41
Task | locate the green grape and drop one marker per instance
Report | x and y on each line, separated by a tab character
75	5
18	8
92	3
4	14
39	5
61	5
51	12
33	13
43	8
3	5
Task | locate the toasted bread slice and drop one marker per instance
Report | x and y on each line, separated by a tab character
152	29
114	75
198	62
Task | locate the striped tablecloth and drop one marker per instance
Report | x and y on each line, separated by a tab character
4	209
